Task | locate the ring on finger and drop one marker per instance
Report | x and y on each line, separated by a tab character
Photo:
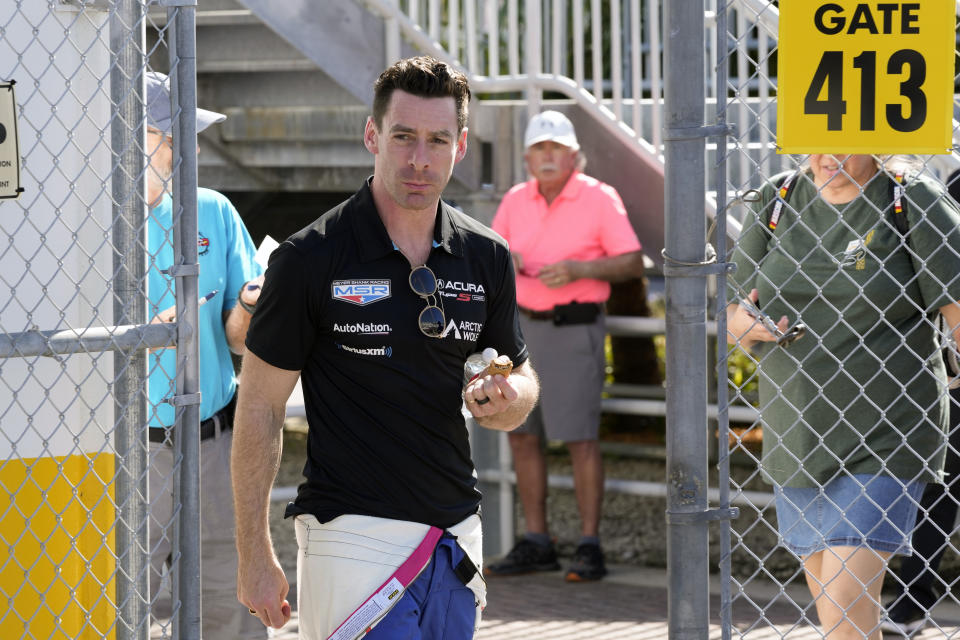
253	612
483	400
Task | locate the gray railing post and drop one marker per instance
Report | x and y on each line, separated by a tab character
498	504
686	335
127	38
533	52
183	92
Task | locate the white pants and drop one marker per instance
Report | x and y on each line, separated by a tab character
341	563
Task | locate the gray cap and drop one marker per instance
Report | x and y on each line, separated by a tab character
158	106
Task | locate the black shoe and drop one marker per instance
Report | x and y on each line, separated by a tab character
525	557
587	564
905	617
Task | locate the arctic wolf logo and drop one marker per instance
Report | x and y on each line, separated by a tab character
361	292
463	330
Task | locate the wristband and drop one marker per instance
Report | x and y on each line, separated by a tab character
249	308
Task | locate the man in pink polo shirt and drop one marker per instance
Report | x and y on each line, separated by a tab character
570	237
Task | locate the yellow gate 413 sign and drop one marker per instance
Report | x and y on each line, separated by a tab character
865	77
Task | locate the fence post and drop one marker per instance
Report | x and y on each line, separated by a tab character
183	90
686	335
721	380
127	37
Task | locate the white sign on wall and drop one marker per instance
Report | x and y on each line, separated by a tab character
9	143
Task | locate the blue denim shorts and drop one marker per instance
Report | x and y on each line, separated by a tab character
862	510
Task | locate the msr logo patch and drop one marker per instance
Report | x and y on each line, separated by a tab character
360	292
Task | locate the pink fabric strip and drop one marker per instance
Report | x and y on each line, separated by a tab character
409	570
413	565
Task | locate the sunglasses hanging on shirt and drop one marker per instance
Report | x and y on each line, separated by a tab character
424	283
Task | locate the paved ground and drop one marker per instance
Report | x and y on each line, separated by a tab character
632	604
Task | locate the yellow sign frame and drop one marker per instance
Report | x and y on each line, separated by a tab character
903	50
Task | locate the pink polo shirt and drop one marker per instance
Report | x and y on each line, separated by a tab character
586	221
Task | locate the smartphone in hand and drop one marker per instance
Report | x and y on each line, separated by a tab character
784	338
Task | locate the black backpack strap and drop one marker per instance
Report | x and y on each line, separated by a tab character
897	191
783	196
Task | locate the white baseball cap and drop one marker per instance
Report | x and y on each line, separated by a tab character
158	106
550	125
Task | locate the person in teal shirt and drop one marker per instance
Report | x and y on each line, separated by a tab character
229	285
226	257
854	413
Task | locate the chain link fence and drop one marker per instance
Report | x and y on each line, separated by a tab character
861	395
75	331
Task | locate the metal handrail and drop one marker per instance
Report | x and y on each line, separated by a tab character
88	340
519	82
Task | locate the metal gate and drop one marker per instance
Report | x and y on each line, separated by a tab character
765	590
75	322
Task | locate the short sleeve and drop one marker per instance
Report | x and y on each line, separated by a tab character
934	243
616	233
283	329
501	330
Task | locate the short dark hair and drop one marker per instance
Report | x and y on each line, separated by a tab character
425	77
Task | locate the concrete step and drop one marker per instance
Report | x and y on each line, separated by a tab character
303	124
246	47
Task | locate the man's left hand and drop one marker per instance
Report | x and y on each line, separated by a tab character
559	274
489	395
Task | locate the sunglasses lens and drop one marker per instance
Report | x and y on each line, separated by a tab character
423	282
431	322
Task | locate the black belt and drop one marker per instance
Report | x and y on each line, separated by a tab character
537	315
564	314
209	428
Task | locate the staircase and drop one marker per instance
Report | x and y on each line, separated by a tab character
295	79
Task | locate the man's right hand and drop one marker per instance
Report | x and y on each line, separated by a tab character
262	587
254	461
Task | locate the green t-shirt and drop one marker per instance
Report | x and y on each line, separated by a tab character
865	389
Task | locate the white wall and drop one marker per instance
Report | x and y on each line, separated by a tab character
55	255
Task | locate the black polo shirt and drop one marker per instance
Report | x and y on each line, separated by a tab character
383	401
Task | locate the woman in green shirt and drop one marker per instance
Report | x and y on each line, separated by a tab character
854	412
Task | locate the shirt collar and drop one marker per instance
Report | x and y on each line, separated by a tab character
570	190
371	235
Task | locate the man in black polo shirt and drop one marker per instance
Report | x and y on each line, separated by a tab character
376	306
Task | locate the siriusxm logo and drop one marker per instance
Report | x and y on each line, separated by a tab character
365	328
360	292
367	351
